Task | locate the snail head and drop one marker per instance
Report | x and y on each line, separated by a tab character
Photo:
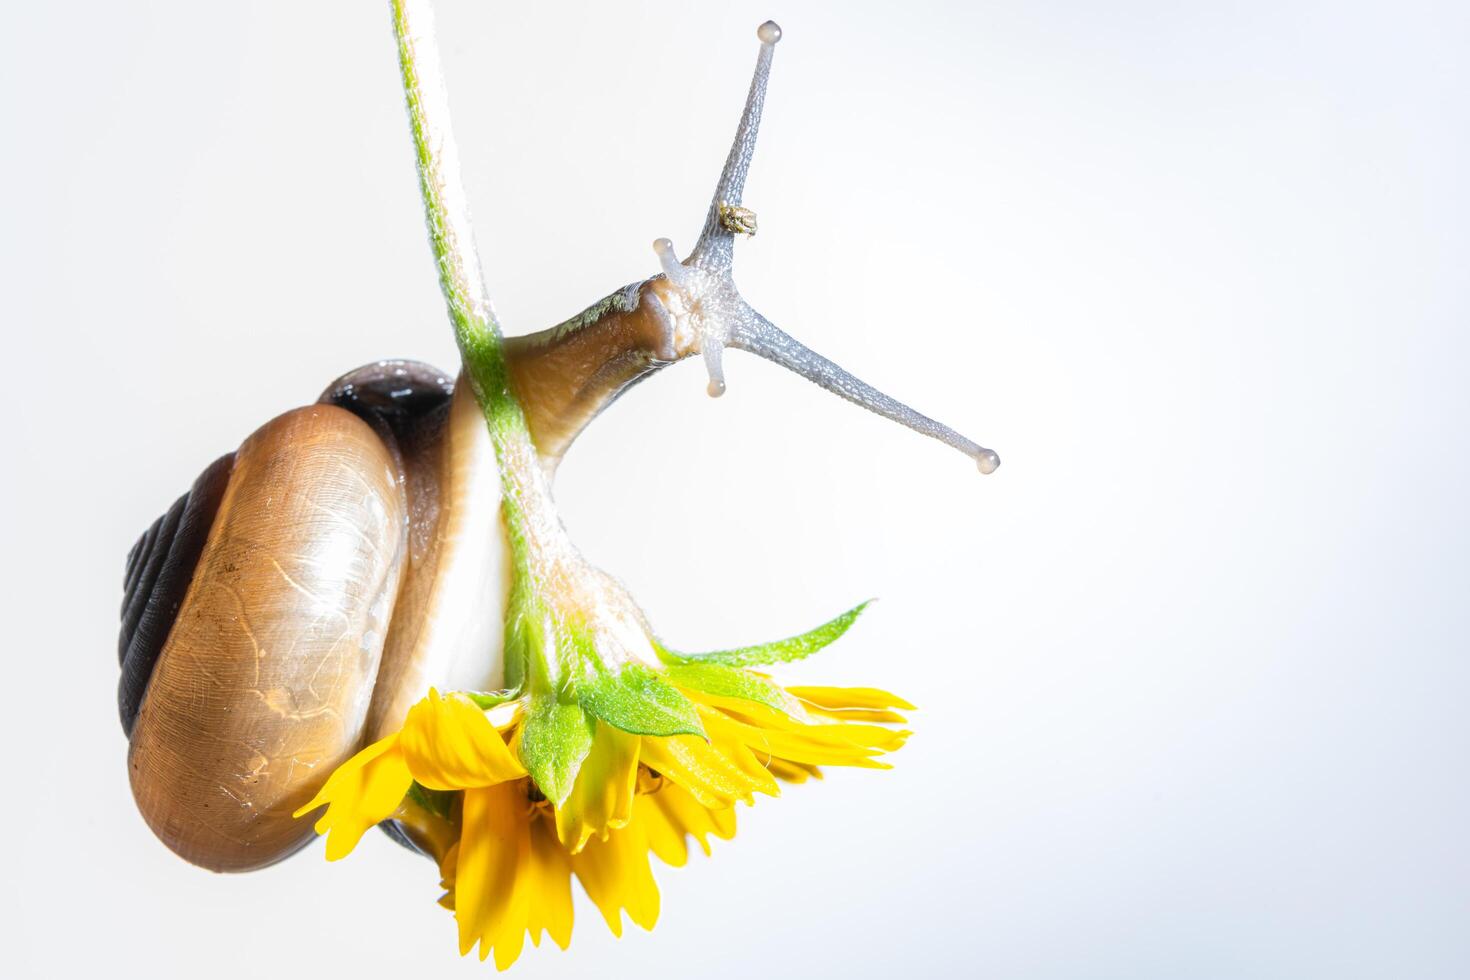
702	311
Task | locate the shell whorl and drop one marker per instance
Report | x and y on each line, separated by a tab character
254	616
159	569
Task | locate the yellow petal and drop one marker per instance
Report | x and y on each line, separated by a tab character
722	823
362	791
785	706
827	744
699	767
489	856
793	772
602	797
880	716
850	697
509	935
670	814
616	876
447	868
726	738
835	729
450	744
551	875
665	835
763	716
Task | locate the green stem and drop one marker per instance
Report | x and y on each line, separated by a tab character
527	504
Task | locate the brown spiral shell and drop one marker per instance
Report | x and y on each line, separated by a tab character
254	619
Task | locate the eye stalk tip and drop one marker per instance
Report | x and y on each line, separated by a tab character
667	258
987	460
716	387
769	32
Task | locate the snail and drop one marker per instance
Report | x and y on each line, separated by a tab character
353	553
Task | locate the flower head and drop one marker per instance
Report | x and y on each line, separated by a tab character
455	776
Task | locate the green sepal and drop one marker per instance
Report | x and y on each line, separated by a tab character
776	652
489	699
721	681
636	700
554	739
439	802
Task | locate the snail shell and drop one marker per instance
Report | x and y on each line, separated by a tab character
298	599
267	673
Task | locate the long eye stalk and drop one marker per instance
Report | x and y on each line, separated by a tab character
715	250
710	309
760	336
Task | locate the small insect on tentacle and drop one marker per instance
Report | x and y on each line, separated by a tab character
716	246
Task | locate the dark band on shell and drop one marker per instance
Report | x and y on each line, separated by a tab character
160	567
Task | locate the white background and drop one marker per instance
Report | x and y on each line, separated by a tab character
1192	664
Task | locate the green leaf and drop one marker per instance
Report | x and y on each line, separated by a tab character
437	801
777	652
555	738
637	701
489	699
733	682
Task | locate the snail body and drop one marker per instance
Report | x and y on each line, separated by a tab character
355	552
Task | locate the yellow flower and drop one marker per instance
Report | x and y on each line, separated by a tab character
508	869
446	743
